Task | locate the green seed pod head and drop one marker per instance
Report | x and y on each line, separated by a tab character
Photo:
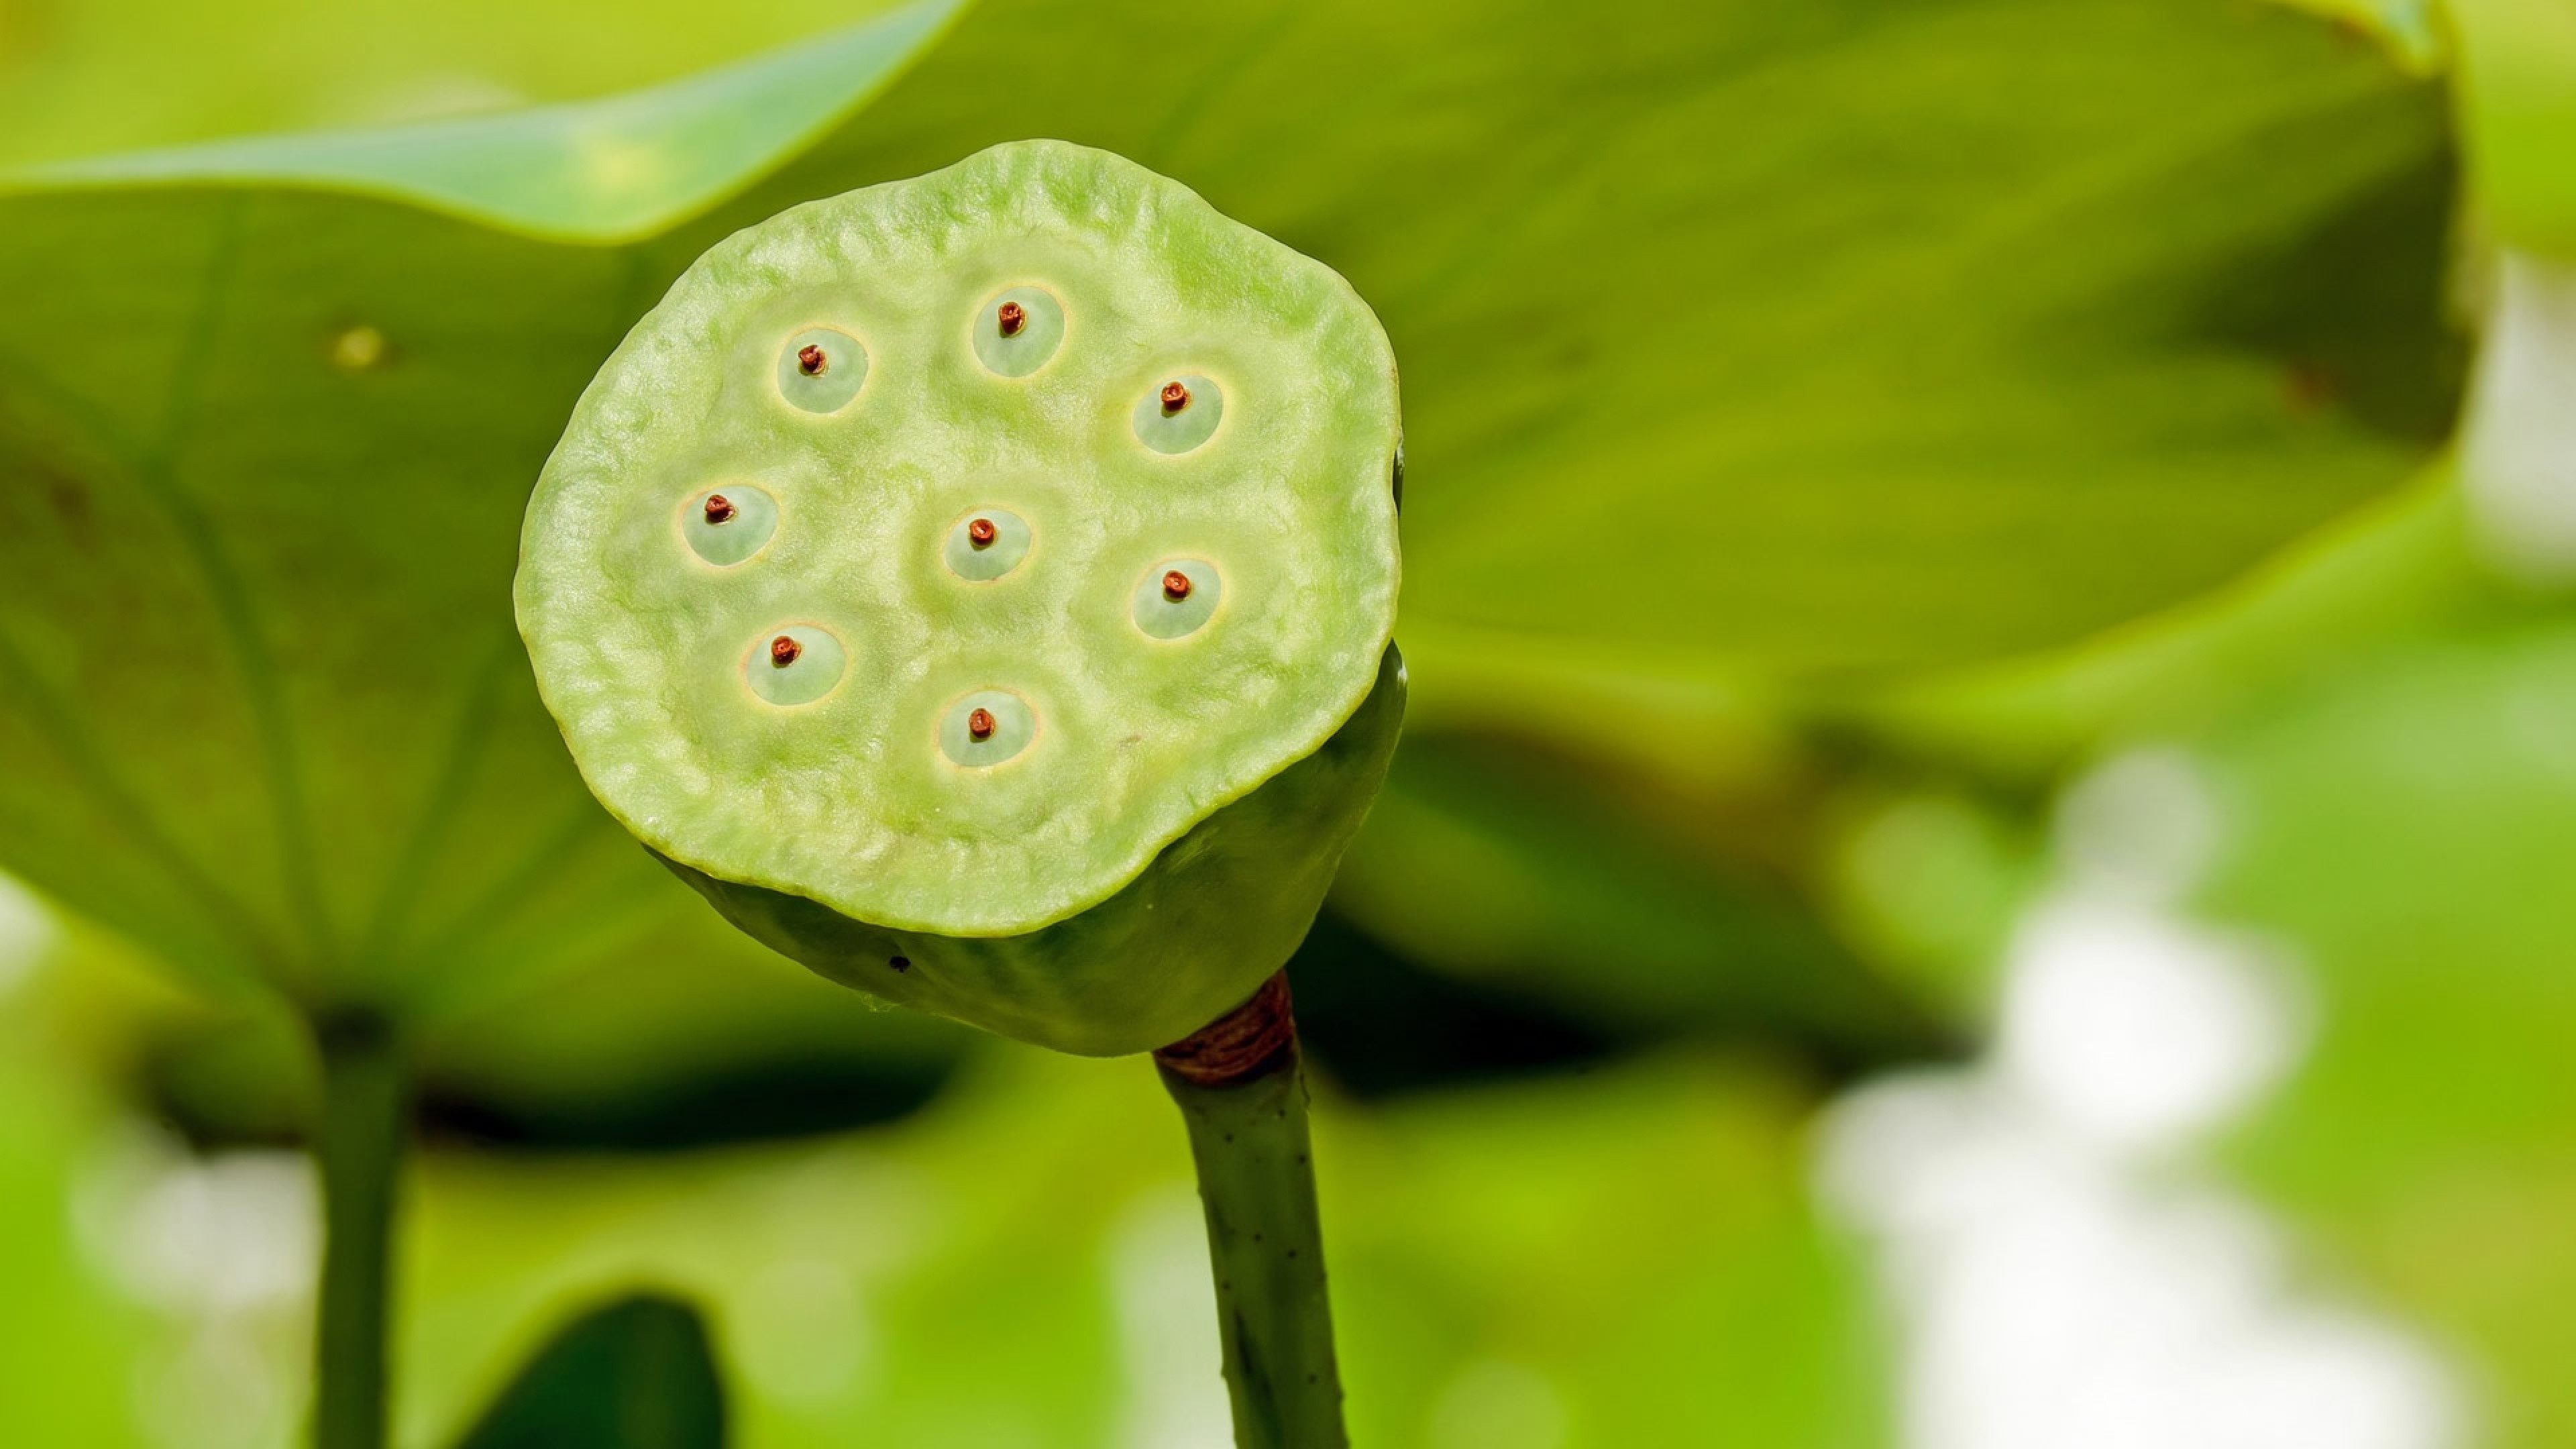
980	586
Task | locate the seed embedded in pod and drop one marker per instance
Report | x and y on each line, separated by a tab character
1018	330
729	525
986	544
795	664
986	728
1177	598
820	369
1180	413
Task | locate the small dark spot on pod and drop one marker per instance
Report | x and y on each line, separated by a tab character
981	533
1175	397
810	359
719	508
1176	585
980	724
783	651
1292	1252
900	963
1013	317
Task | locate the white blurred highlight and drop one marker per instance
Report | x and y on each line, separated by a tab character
223	1247
2061	1269
1158	1268
2518	445
26	933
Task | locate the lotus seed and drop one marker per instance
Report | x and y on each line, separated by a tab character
987	728
729	526
987	545
796	665
1018	332
1179	415
1177	598
821	369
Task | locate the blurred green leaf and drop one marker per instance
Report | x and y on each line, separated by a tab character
596	171
2409	826
634	1374
2405	568
80	79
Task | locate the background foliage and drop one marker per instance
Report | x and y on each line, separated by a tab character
1830	431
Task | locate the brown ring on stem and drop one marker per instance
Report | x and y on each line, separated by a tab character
1257	1037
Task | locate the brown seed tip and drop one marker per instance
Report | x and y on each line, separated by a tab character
1013	318
783	651
979	724
1176	585
981	533
719	508
810	359
1175	397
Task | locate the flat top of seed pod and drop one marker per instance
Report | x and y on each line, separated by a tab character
944	550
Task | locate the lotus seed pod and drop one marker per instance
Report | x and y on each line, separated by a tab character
979	587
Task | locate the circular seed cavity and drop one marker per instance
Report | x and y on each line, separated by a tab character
794	665
1176	597
821	368
729	523
1018	330
1179	413
987	544
986	728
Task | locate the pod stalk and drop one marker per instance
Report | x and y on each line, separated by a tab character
358	1143
1242	1094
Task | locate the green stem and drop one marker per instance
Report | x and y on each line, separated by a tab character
1241	1090
364	1105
